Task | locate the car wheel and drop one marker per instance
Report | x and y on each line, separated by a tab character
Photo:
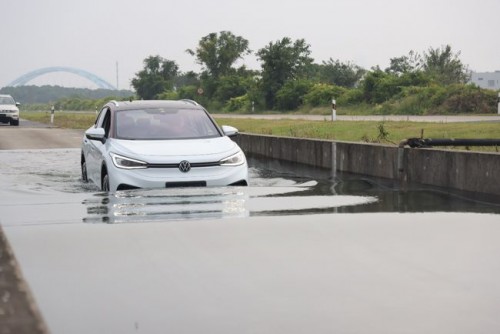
105	182
16	123
84	172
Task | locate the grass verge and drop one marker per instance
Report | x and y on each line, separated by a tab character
357	131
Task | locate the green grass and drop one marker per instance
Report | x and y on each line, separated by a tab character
80	120
363	130
358	131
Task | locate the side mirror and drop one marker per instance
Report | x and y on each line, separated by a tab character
229	131
18	104
96	134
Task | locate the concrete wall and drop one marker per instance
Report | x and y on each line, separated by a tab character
461	170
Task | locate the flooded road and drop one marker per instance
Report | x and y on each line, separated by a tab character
52	177
299	250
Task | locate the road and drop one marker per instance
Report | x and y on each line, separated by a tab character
31	135
18	310
283	272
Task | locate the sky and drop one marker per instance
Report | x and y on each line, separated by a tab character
100	36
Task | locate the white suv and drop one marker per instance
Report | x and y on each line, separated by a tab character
9	111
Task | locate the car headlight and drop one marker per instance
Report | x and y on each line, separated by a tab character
234	160
127	163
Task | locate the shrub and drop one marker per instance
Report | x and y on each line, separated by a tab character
188	92
439	99
238	104
469	99
168	95
322	94
291	95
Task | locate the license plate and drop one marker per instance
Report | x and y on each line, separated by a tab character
186	184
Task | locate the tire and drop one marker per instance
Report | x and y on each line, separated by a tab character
15	123
105	182
85	178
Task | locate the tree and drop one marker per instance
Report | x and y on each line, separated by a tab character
444	66
218	52
340	74
406	64
282	61
187	79
157	77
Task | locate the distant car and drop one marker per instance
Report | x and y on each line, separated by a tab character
158	144
9	111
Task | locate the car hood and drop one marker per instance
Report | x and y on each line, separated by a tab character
164	151
8	107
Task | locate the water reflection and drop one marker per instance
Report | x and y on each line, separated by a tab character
147	205
391	196
198	203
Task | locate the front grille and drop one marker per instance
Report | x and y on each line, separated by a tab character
186	184
193	165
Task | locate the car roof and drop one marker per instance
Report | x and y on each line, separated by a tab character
147	104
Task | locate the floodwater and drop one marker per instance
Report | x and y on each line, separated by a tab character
276	189
389	194
299	250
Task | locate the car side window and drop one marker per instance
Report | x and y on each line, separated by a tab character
104	121
100	118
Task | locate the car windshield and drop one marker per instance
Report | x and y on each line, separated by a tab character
7	100
159	123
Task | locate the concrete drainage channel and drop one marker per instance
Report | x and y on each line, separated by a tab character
392	195
473	172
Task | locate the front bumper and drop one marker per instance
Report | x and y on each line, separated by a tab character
214	176
6	117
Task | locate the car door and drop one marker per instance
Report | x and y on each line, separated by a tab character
95	155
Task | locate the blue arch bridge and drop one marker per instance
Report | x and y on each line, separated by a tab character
22	80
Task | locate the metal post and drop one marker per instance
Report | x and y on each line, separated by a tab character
498	103
334	110
334	167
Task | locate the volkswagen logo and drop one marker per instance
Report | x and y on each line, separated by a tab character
184	166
